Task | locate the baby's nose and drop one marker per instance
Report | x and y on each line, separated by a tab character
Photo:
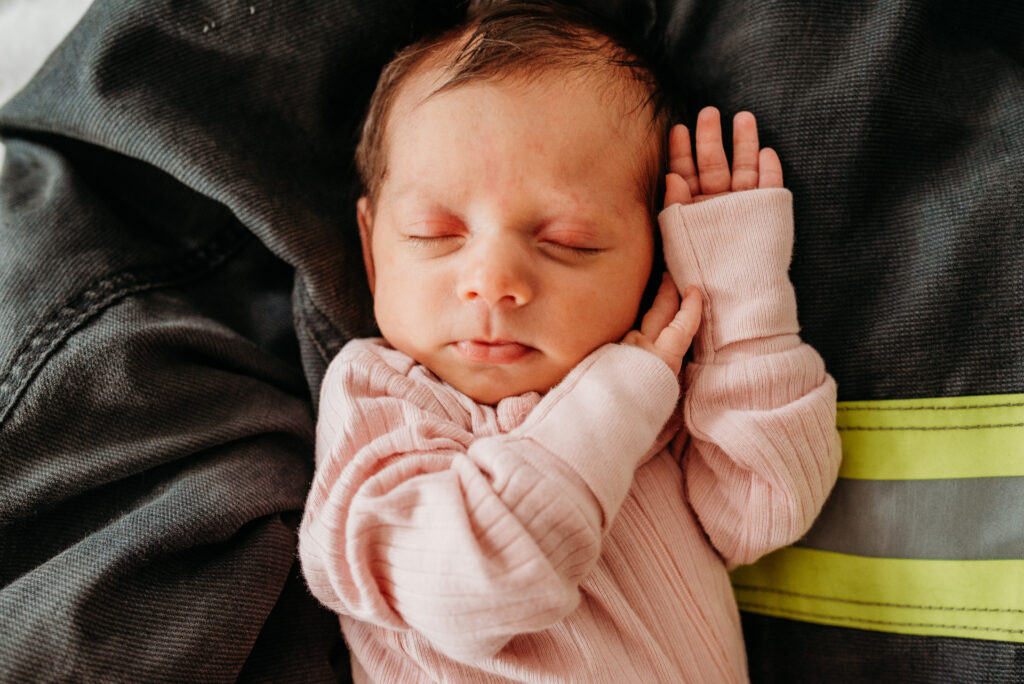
496	274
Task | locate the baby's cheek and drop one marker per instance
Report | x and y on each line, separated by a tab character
392	310
593	322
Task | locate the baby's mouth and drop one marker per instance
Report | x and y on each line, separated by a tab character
493	351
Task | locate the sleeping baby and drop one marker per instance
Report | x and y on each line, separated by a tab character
519	481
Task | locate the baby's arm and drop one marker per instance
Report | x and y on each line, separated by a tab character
763	451
412	522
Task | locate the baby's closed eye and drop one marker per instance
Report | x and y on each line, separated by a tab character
434	228
434	237
580	240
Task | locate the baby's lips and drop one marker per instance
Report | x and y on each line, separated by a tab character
496	352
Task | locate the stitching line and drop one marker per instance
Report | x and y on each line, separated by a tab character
326	339
927	428
928	408
301	319
843	618
98	296
315	331
784	592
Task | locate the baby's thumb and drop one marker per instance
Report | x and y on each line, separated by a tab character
676	190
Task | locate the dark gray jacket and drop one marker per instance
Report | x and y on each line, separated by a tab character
179	261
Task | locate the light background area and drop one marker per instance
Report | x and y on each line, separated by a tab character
29	31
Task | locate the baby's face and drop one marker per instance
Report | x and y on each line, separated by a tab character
509	238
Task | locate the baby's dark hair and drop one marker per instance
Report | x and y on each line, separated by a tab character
523	40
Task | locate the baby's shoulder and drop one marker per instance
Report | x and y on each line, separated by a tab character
373	352
366	363
372	366
369	372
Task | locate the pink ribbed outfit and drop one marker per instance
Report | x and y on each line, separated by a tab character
583	535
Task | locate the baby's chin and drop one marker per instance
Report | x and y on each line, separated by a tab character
491	391
491	384
493	398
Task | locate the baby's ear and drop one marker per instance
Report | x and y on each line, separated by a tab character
364	216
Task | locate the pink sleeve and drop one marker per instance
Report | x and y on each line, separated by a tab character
413	523
763	450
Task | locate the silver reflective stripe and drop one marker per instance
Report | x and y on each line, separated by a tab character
961	519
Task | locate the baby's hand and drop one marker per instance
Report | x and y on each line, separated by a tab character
752	166
668	328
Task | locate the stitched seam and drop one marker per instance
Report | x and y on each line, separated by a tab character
707	316
929	408
313	335
314	332
706	328
783	592
928	427
844	618
99	295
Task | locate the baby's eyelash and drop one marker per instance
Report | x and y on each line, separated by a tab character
581	251
424	240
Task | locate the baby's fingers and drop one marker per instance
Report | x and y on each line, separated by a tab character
744	152
675	339
676	190
770	169
663	309
713	167
680	157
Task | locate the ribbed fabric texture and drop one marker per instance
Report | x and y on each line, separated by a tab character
704	255
575	536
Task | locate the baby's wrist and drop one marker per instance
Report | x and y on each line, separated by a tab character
736	249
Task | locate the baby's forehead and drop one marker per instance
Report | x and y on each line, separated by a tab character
536	106
616	94
553	120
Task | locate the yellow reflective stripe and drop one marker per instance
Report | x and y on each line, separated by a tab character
972	599
925	439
